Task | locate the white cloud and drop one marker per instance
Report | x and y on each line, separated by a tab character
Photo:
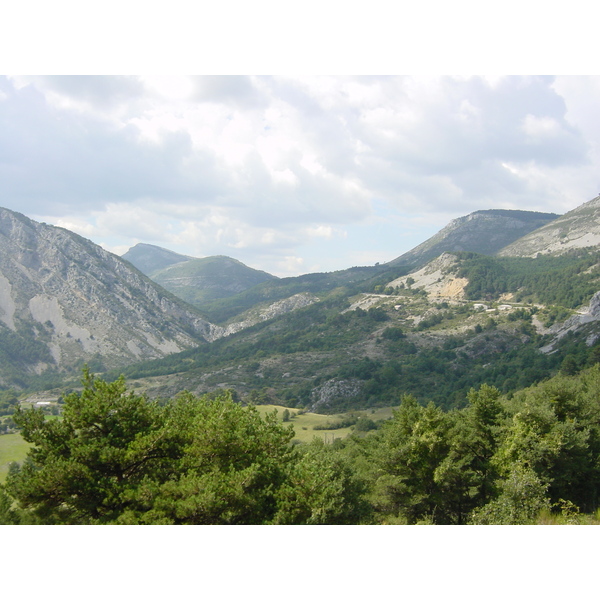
541	127
269	169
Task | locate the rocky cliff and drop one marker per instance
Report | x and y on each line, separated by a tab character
70	301
579	228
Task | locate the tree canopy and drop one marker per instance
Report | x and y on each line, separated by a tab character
117	458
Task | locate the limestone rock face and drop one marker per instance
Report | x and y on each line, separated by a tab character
579	228
73	301
437	278
275	309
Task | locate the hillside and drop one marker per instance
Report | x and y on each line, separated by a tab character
65	300
200	280
460	321
359	337
149	258
579	228
484	232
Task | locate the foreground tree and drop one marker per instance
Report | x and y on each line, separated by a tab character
323	488
81	467
115	457
555	431
468	475
406	455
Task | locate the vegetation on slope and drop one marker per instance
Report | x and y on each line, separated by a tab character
116	458
403	344
202	280
569	280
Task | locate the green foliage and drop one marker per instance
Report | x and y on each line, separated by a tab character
20	350
568	280
393	333
8	515
349	280
202	280
522	498
322	489
412	446
497	461
115	457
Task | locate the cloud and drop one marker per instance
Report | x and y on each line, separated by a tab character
272	168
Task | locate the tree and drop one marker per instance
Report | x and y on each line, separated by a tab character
8	515
522	498
116	457
555	431
411	447
467	474
231	465
81	468
322	489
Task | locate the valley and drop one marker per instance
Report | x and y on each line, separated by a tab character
466	344
433	327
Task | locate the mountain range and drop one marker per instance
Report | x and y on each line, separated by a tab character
483	231
318	339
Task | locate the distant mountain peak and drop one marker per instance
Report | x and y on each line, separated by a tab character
204	279
482	231
149	258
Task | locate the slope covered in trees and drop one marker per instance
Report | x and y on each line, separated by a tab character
404	342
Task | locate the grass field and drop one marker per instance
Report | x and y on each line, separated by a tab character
304	424
13	448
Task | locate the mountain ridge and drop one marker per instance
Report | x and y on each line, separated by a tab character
149	258
61	291
578	228
482	231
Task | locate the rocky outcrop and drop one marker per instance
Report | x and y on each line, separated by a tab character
276	309
437	278
585	316
82	302
579	228
332	391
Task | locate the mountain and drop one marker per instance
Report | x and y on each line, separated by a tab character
426	333
204	279
483	231
579	228
360	337
150	259
65	300
435	328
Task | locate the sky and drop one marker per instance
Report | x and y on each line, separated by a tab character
294	172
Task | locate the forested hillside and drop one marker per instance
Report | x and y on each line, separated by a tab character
366	345
493	361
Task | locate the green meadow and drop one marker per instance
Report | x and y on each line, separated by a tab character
304	423
13	448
